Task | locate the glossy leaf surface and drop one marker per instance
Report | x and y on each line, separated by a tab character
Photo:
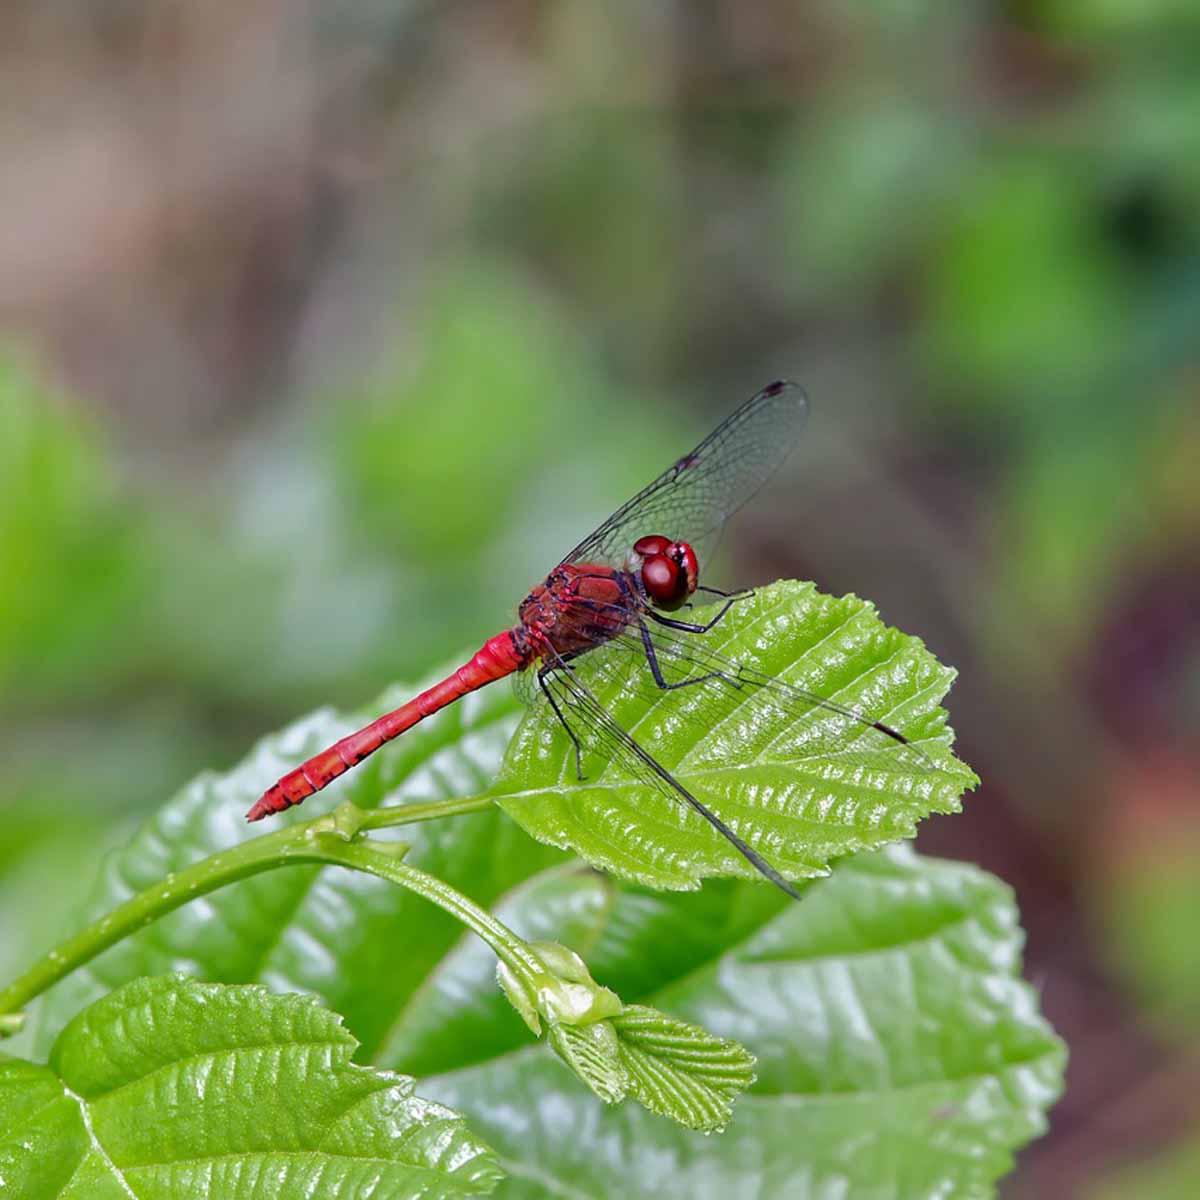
168	1087
802	784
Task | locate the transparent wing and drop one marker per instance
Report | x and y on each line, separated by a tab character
525	686
693	498
595	730
705	682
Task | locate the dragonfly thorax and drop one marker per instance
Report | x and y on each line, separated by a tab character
667	569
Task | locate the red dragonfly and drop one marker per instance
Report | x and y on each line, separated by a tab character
619	588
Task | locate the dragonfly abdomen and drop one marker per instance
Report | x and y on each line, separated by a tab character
497	657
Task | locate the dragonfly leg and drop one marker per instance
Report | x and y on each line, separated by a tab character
691	626
740	594
562	720
656	670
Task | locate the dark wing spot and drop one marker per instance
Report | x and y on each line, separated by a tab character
892	733
773	389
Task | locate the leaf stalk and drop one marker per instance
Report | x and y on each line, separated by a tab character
332	839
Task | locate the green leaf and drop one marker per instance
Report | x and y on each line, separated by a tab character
593	1053
1171	1174
65	533
673	1068
680	1070
802	787
898	1054
169	1087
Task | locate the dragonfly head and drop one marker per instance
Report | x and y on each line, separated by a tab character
668	569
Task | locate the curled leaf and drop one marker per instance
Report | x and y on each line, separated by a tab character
676	1069
593	1053
563	992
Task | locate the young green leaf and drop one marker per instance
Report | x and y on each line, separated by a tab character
593	1053
673	1068
801	783
680	1070
169	1087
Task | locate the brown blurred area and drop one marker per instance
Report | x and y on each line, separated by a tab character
295	267
168	201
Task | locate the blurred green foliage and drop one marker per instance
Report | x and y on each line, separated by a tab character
1024	287
502	380
1151	911
861	188
68	555
1168	1176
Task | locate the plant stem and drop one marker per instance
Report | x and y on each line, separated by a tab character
327	839
408	814
363	856
284	847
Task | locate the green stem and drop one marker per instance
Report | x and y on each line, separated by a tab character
284	847
363	856
408	814
328	839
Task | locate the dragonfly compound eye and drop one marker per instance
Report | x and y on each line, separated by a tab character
647	547
665	583
685	557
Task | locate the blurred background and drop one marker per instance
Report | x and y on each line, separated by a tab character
325	327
